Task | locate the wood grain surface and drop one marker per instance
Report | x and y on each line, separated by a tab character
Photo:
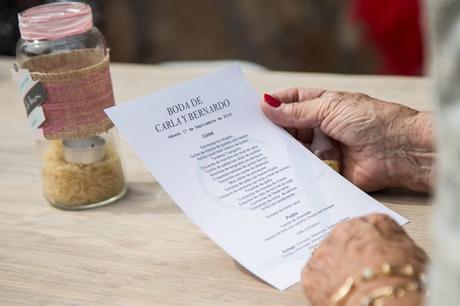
143	250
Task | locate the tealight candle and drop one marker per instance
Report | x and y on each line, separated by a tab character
84	151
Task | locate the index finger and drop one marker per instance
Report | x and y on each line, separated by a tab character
297	94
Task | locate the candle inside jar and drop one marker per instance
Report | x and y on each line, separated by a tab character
84	150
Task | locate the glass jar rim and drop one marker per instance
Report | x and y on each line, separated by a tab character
55	20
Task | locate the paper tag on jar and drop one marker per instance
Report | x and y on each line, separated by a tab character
36	117
22	78
33	94
34	97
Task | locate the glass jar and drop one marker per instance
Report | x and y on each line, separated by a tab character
66	61
326	149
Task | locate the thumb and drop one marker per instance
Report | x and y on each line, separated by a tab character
304	114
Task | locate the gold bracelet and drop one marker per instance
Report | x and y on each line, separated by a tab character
368	274
376	297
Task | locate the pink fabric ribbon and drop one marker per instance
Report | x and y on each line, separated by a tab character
54	21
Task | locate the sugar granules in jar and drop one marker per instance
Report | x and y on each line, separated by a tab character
79	184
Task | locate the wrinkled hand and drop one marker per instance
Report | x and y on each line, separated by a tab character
382	144
354	245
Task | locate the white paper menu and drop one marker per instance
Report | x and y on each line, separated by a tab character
245	182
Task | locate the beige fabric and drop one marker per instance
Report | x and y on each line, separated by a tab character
55	64
445	31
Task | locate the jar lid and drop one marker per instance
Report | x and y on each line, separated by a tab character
55	20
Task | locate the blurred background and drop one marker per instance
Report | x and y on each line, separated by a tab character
333	36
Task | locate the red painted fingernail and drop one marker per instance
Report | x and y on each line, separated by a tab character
272	101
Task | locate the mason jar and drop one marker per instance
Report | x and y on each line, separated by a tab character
64	81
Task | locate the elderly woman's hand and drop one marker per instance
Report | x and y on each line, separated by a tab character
382	144
353	246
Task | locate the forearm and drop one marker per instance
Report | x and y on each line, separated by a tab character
411	161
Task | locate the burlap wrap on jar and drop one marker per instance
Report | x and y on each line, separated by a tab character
79	88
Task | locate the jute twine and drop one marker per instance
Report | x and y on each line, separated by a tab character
79	88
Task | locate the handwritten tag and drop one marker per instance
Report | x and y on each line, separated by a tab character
33	94
35	97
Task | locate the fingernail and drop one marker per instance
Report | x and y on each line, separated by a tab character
272	101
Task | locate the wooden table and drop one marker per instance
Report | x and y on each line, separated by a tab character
143	249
